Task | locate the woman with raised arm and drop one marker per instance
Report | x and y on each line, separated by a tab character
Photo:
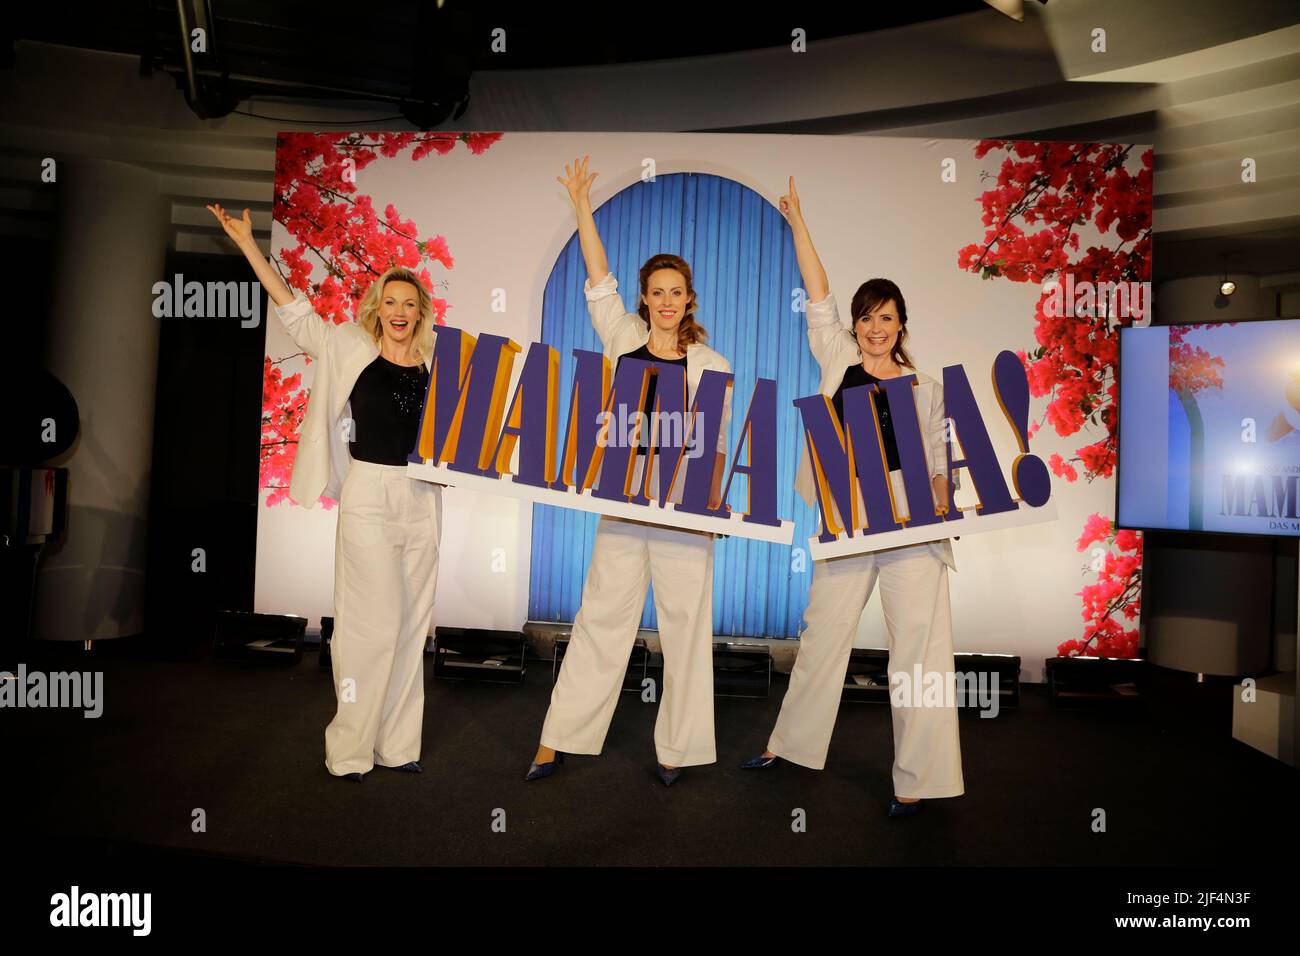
629	555
913	579
361	423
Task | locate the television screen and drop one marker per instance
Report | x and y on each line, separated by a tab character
1209	427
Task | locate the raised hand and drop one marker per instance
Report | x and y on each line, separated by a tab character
810	264
240	230
789	205
577	181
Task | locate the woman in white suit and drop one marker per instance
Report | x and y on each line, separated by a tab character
362	417
913	579
628	555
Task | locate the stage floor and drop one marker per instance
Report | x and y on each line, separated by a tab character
245	745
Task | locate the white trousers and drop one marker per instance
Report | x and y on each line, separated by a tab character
625	558
385	572
914	595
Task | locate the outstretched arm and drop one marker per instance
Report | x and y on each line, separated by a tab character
810	265
826	333
241	231
608	317
578	182
308	331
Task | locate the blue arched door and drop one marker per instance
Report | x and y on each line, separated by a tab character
742	257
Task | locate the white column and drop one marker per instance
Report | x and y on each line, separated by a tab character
102	344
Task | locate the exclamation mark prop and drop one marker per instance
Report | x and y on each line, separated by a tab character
1029	475
980	461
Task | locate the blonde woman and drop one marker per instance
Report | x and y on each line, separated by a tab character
361	423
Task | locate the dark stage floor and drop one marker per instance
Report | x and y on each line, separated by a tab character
246	745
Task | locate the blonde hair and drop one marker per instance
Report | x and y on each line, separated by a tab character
368	311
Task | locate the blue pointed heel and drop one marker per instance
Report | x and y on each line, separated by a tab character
760	762
899	809
668	775
536	771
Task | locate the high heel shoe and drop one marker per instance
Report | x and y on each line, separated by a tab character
354	777
899	809
412	767
536	771
668	775
760	762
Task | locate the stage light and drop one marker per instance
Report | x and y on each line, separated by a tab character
1227	286
246	636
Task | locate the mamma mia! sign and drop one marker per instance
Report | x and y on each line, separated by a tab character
472	426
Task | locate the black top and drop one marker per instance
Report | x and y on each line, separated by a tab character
854	376
645	354
386	404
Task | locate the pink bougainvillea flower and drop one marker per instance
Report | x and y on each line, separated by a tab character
338	245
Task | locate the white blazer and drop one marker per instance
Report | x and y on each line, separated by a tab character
621	331
836	348
341	353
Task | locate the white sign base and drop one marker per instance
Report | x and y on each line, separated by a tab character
971	522
652	513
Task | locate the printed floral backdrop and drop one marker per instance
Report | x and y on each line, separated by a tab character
1023	214
1033	217
343	244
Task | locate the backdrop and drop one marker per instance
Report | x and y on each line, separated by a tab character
972	232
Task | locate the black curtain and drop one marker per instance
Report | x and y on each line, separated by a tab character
203	494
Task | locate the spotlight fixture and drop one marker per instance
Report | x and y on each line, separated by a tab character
1226	285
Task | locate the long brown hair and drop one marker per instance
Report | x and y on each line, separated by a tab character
873	293
689	332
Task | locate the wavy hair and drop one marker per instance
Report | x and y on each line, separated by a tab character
689	332
368	311
873	293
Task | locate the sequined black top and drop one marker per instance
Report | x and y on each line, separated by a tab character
386	404
854	376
